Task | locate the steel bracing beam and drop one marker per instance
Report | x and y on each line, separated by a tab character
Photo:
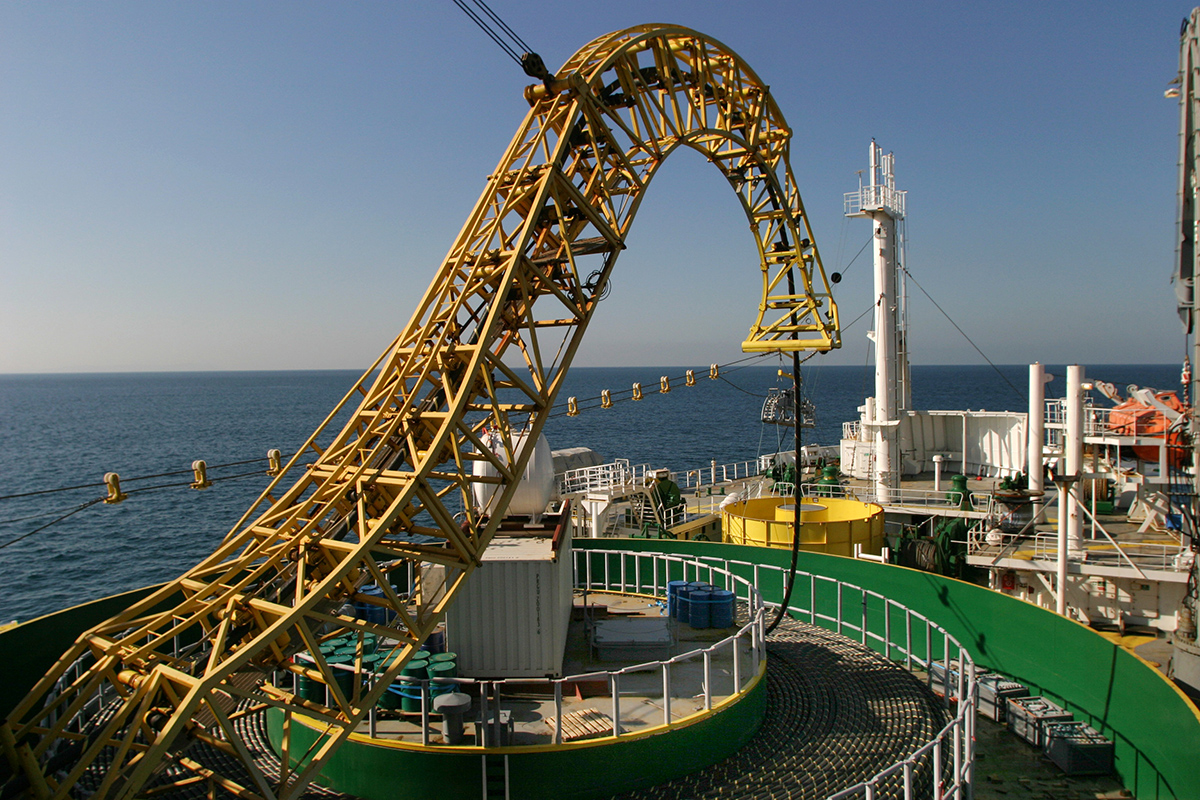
147	699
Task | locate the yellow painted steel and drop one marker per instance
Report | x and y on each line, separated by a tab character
392	478
830	525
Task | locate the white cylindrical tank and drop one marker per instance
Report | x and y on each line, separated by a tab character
537	483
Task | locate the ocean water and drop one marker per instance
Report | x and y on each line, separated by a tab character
69	430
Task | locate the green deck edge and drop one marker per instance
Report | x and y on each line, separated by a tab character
1156	730
31	648
576	772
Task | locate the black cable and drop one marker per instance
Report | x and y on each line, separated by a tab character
137	478
72	512
846	268
1003	377
483	27
51	491
137	490
496	18
620	395
740	389
856	319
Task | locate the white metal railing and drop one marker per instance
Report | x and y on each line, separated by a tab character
1095	418
600	477
1135	555
875	196
902	635
620	474
632	573
851	430
1102	550
924	498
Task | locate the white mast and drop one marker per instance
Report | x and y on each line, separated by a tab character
880	202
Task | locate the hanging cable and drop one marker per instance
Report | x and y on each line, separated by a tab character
483	26
138	490
561	410
511	33
1003	377
72	512
101	484
529	62
836	277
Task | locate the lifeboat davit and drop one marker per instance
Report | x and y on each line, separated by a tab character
1135	417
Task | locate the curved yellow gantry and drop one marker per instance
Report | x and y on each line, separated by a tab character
474	358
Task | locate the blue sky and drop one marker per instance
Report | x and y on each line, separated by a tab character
252	185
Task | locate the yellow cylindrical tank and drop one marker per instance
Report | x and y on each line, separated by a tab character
828	524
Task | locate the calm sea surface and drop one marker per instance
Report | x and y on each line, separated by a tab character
68	430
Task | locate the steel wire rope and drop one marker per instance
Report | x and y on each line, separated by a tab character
70	513
619	396
842	272
1003	377
101	484
137	490
504	26
483	26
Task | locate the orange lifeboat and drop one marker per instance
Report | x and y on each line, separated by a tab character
1132	417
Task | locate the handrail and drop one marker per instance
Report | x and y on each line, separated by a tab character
958	735
649	575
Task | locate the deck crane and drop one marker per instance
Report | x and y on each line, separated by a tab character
150	699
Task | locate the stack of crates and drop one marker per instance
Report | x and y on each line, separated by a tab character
939	676
1078	749
1029	716
994	692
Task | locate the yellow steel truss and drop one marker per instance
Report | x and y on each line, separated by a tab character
142	702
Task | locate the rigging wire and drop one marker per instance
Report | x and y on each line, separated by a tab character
560	410
527	60
1003	377
137	490
483	26
70	513
842	273
496	18
101	484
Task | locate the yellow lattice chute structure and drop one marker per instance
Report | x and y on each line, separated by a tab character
150	699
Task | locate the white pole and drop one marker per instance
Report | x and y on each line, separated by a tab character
885	354
1037	425
1074	455
1070	529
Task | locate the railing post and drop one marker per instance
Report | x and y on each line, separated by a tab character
887	629
614	685
907	639
958	757
424	684
864	617
937	768
666	667
707	680
371	715
736	644
558	700
839	608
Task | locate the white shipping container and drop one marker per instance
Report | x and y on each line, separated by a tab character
510	620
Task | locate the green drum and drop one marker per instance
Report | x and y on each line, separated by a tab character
306	687
442	669
342	667
410	692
